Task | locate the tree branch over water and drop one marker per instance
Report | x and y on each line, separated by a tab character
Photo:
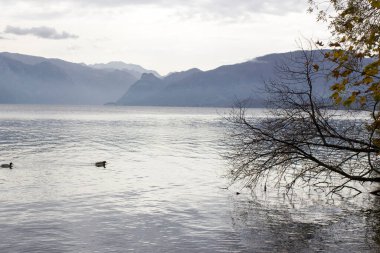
304	138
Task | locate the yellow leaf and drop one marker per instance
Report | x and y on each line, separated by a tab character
335	96
362	100
367	80
350	100
336	87
371	72
337	54
375	3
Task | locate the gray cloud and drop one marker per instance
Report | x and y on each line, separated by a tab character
41	32
223	6
195	7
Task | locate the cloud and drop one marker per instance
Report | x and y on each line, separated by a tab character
217	8
222	6
41	32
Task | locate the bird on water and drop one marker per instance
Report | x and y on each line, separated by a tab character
7	165
101	164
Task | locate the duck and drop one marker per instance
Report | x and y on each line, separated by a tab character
101	164
6	165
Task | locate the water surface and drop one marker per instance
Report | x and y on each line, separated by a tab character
162	190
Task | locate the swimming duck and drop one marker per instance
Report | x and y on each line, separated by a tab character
101	164
10	165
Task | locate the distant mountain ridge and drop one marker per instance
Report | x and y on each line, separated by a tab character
30	79
220	87
133	69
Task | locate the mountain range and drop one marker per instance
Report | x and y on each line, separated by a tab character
220	87
134	69
30	79
36	80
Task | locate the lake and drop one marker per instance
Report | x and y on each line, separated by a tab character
163	189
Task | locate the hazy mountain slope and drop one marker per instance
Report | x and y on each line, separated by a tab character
30	79
134	69
144	89
218	87
222	86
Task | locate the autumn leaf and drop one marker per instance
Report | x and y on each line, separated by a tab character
375	4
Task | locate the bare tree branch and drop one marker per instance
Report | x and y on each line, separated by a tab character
304	137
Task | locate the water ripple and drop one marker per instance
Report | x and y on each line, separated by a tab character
160	191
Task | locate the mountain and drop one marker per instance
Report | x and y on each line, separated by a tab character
222	86
135	70
30	79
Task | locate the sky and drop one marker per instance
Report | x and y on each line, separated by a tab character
163	35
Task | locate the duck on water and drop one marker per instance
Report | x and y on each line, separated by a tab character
101	164
7	165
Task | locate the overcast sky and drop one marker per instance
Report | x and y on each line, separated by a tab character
164	35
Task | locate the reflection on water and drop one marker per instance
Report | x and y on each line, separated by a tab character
160	192
290	224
